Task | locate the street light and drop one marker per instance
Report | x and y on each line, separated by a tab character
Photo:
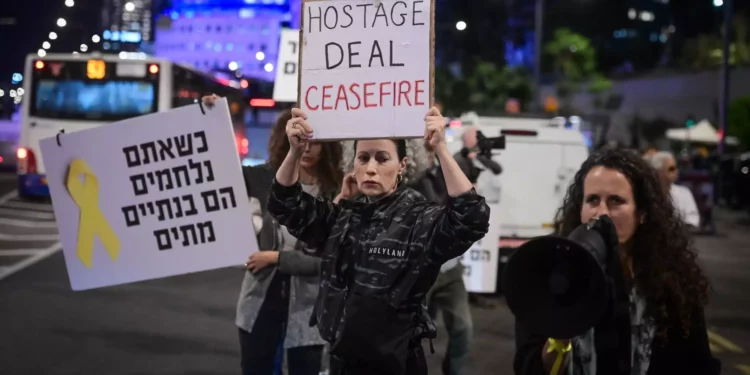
233	65
53	35
41	53
718	3
84	48
61	22
46	45
95	38
69	3
129	7
460	25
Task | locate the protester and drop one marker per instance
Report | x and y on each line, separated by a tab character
382	247
668	290
448	296
280	287
682	197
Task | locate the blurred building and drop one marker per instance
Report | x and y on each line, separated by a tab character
520	33
127	25
641	36
236	35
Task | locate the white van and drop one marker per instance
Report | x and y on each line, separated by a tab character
539	162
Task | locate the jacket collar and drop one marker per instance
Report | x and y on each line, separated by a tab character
362	203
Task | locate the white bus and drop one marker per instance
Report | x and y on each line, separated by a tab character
76	92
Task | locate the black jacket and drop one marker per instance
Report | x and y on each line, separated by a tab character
379	259
678	355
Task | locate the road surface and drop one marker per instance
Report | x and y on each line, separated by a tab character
185	325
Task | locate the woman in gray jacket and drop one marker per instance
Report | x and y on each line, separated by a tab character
281	285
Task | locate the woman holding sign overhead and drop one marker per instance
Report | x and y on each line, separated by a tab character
279	289
381	245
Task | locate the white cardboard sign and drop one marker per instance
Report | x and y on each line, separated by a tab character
285	85
366	67
481	261
150	197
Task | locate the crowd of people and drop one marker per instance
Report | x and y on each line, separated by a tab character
360	244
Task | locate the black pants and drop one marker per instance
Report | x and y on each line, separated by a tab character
415	365
260	347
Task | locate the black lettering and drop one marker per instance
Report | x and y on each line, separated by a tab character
150	206
132	157
352	53
139	184
142	207
189	198
335	19
164	205
403	15
290	67
209	226
196	167
380	12
184	144
151	179
175	233
227	191
213	205
185	229
328	57
163	175
294	45
364	13
202	135
177	203
185	174
165	149
131	216
467	270
391	57
310	18
475	254
162	239
414	13
373	54
210	174
148	158
346	10
485	255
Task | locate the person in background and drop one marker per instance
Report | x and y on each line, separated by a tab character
668	289
382	246
448	295
280	286
650	151
683	199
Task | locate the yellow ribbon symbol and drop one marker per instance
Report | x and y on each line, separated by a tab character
561	349
92	222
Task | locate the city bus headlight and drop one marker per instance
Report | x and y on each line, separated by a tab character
21	153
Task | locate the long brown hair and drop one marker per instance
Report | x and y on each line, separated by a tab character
327	170
664	261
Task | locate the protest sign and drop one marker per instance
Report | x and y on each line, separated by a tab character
481	261
285	85
150	197
366	67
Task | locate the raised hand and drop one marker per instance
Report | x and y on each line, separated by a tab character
298	131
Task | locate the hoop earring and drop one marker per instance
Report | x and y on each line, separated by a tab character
399	178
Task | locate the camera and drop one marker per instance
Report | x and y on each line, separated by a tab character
486	144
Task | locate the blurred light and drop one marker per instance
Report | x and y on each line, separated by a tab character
632	13
2	93
260	55
153	68
21	153
268	67
244	84
84	48
233	65
53	35
39	65
455	124
17	100
16	78
129	6
41	53
61	22
95	38
718	3
461	26
46	45
12	93
647	16
75	52
20	91
69	3
262	102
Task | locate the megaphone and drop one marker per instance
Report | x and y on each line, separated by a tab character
557	286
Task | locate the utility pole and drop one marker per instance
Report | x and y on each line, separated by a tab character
724	113
539	30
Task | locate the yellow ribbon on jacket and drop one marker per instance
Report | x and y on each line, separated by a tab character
92	222
561	349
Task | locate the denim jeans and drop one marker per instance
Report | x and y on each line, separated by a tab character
449	296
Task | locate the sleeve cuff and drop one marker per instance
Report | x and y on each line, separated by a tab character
464	197
285	191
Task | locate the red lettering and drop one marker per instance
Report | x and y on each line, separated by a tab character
352	88
395	96
325	88
418	91
383	92
342	96
368	94
404	93
307	98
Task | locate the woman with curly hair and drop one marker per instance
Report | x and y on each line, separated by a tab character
668	289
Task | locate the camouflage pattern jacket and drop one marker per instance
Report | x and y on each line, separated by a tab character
396	246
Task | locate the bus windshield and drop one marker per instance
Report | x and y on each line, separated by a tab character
65	91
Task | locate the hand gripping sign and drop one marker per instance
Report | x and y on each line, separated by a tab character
150	197
366	67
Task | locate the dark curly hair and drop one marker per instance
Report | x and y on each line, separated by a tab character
327	170
664	264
